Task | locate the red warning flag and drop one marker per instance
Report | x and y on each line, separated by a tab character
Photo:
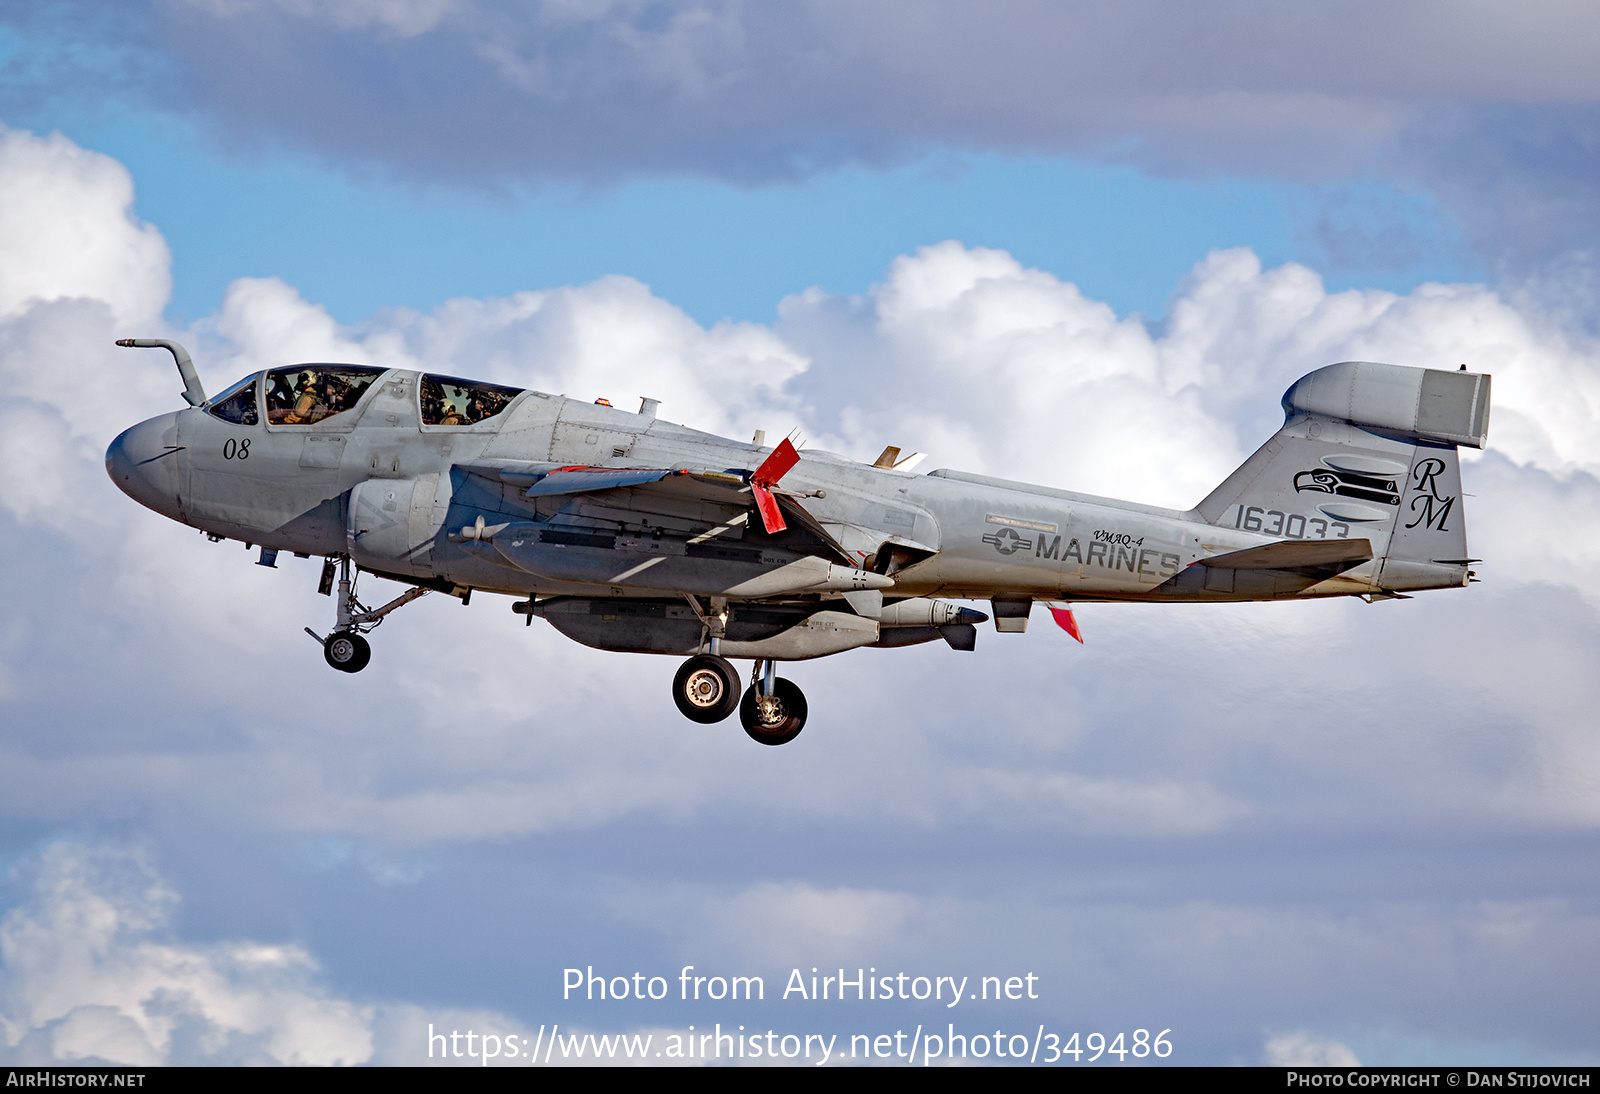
765	477
1066	622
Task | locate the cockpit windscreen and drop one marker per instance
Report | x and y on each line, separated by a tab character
238	403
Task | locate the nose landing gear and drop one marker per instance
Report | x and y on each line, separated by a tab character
345	649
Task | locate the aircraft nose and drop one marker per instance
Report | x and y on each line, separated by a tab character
143	462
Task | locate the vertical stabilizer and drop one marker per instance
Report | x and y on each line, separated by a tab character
1367	451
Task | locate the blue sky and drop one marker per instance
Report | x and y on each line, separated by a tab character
1074	247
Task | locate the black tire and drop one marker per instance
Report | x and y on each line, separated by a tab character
347	652
788	716
706	689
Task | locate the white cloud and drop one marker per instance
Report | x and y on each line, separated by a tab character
266	323
91	975
611	339
1022	376
791	922
1304	1049
66	218
86	977
402	18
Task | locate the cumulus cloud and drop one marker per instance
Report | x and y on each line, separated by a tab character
1304	1049
87	978
79	271
91	973
404	18
805	920
66	215
611	338
1012	371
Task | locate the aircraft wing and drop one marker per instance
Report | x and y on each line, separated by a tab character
731	489
549	480
586	480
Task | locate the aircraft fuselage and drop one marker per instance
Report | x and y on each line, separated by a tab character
305	488
626	532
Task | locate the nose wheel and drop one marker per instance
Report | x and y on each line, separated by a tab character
347	652
706	689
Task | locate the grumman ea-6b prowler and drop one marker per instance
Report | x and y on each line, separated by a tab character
626	532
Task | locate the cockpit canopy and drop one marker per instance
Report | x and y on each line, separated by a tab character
447	400
307	394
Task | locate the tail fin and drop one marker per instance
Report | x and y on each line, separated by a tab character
1367	451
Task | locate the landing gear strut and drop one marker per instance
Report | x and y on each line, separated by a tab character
773	711
345	649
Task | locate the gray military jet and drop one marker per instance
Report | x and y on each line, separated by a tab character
626	532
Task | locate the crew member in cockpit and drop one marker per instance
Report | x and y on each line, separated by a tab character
335	396
305	404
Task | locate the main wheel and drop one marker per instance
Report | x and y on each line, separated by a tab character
706	689
346	651
774	721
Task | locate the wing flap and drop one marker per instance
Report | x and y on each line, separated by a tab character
803	519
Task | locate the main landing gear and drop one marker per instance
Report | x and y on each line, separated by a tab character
772	711
706	689
345	649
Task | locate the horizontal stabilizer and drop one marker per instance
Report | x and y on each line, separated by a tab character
1426	404
1297	554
